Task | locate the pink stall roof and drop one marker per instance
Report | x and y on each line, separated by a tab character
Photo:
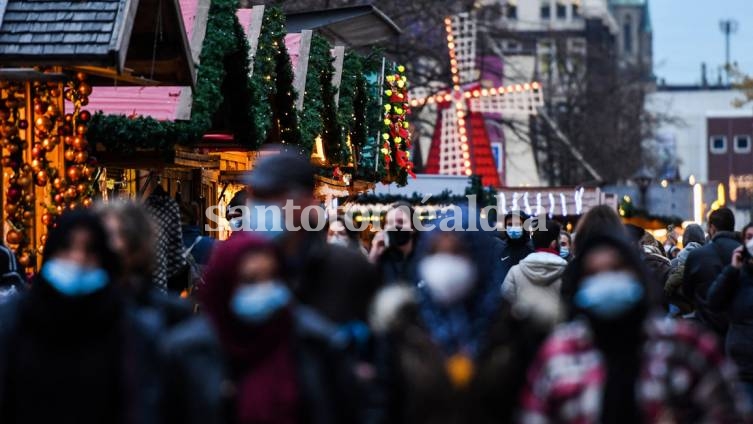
293	44
160	103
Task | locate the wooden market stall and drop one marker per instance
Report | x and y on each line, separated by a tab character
257	84
53	56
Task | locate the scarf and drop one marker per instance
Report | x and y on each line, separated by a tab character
261	357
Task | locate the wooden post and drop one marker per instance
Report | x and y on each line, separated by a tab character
257	18
339	54
299	80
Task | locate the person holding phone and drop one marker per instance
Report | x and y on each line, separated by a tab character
732	294
392	249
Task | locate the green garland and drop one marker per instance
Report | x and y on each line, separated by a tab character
368	167
273	80
319	116
224	69
352	106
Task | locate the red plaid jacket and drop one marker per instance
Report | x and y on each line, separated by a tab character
684	378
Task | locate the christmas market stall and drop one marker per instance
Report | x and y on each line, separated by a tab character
151	136
54	54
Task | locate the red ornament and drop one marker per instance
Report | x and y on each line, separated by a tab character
74	174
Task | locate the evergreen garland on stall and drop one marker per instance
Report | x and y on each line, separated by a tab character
277	119
368	168
319	115
224	68
352	107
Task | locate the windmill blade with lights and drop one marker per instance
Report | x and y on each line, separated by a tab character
460	145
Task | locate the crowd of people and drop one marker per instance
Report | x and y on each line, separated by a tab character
529	324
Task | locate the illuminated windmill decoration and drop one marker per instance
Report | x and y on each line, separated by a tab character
460	145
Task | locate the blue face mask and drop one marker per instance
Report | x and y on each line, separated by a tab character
609	295
564	252
256	303
267	220
72	279
515	232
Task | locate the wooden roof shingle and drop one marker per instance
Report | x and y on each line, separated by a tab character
142	38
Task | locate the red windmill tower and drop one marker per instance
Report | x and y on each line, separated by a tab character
460	144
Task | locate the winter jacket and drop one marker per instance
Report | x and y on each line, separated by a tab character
395	268
534	286
62	369
732	293
416	373
673	287
202	245
657	264
701	269
199	381
338	282
684	378
512	252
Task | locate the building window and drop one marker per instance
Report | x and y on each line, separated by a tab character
627	35
576	9
511	11
561	10
718	144
546	11
742	144
513	47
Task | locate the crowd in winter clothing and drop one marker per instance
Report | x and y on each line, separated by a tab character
527	324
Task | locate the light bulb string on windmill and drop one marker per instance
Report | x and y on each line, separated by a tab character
457	152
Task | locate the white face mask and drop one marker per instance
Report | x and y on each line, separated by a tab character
338	240
749	247
449	278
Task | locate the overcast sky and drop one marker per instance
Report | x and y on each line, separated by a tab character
686	33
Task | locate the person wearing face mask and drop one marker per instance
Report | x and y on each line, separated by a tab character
704	264
336	281
255	356
566	246
339	234
393	249
618	362
533	286
234	212
732	293
132	235
452	351
71	350
517	241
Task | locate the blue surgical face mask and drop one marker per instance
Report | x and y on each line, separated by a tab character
72	279
256	303
564	252
267	220
609	295
514	232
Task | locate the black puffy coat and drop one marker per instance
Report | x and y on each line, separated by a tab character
199	387
732	294
78	361
701	269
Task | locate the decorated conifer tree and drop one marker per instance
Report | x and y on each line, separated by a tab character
319	117
220	100
273	79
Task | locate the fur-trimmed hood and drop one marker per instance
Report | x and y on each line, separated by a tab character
391	307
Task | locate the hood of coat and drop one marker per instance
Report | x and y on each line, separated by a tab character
542	268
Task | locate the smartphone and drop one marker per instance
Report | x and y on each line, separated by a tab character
386	239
